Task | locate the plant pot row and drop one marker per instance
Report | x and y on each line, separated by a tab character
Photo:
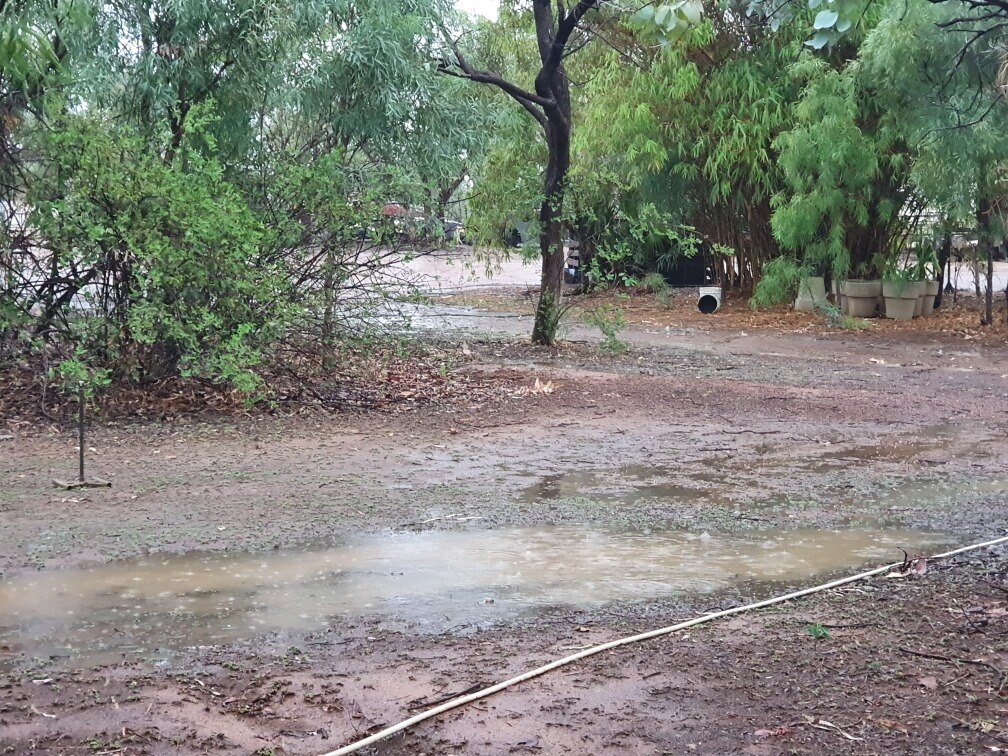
897	300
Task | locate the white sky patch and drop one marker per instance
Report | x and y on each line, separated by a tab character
485	8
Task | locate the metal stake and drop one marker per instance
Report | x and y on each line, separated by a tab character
80	428
80	482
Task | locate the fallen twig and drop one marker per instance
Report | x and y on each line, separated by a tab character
455	517
956	659
69	485
822	724
420	703
853	626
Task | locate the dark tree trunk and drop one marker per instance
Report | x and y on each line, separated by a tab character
550	106
944	255
444	195
989	303
551	223
987	249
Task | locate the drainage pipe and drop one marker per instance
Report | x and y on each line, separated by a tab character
709	299
463	700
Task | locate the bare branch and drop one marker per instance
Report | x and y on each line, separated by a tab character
489	77
542	11
533	103
565	28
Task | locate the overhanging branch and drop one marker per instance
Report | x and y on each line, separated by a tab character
565	27
534	103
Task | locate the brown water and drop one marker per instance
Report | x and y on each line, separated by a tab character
432	581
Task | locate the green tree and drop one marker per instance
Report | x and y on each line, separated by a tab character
557	34
937	66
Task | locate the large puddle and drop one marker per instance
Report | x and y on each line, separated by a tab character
432	581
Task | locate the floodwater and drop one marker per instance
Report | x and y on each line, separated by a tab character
431	581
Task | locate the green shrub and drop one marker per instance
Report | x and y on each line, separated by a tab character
779	283
610	321
164	263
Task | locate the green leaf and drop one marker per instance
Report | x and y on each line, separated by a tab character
692	10
821	39
825	19
644	16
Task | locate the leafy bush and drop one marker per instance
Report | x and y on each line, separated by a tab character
160	267
779	283
610	321
654	283
828	164
836	319
649	240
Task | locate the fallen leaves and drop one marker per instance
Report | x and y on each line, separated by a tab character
892	724
538	388
980	612
377	377
773	732
916	566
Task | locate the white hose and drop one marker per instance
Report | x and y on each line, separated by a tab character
463	700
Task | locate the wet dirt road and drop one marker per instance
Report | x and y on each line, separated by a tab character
639	489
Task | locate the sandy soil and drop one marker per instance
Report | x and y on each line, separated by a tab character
701	427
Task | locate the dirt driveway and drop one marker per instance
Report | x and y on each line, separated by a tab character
747	447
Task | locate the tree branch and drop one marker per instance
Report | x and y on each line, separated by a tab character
565	28
535	104
489	77
542	12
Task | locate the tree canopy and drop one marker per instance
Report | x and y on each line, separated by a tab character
200	187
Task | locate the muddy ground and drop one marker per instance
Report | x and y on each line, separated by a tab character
717	430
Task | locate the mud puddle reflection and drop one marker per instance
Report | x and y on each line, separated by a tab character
151	607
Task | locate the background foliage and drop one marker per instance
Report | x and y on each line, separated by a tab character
201	188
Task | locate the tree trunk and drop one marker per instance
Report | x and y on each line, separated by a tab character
551	223
944	256
989	302
329	311
986	249
551	107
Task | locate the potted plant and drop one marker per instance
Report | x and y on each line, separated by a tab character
928	269
902	292
840	300
862	297
811	293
